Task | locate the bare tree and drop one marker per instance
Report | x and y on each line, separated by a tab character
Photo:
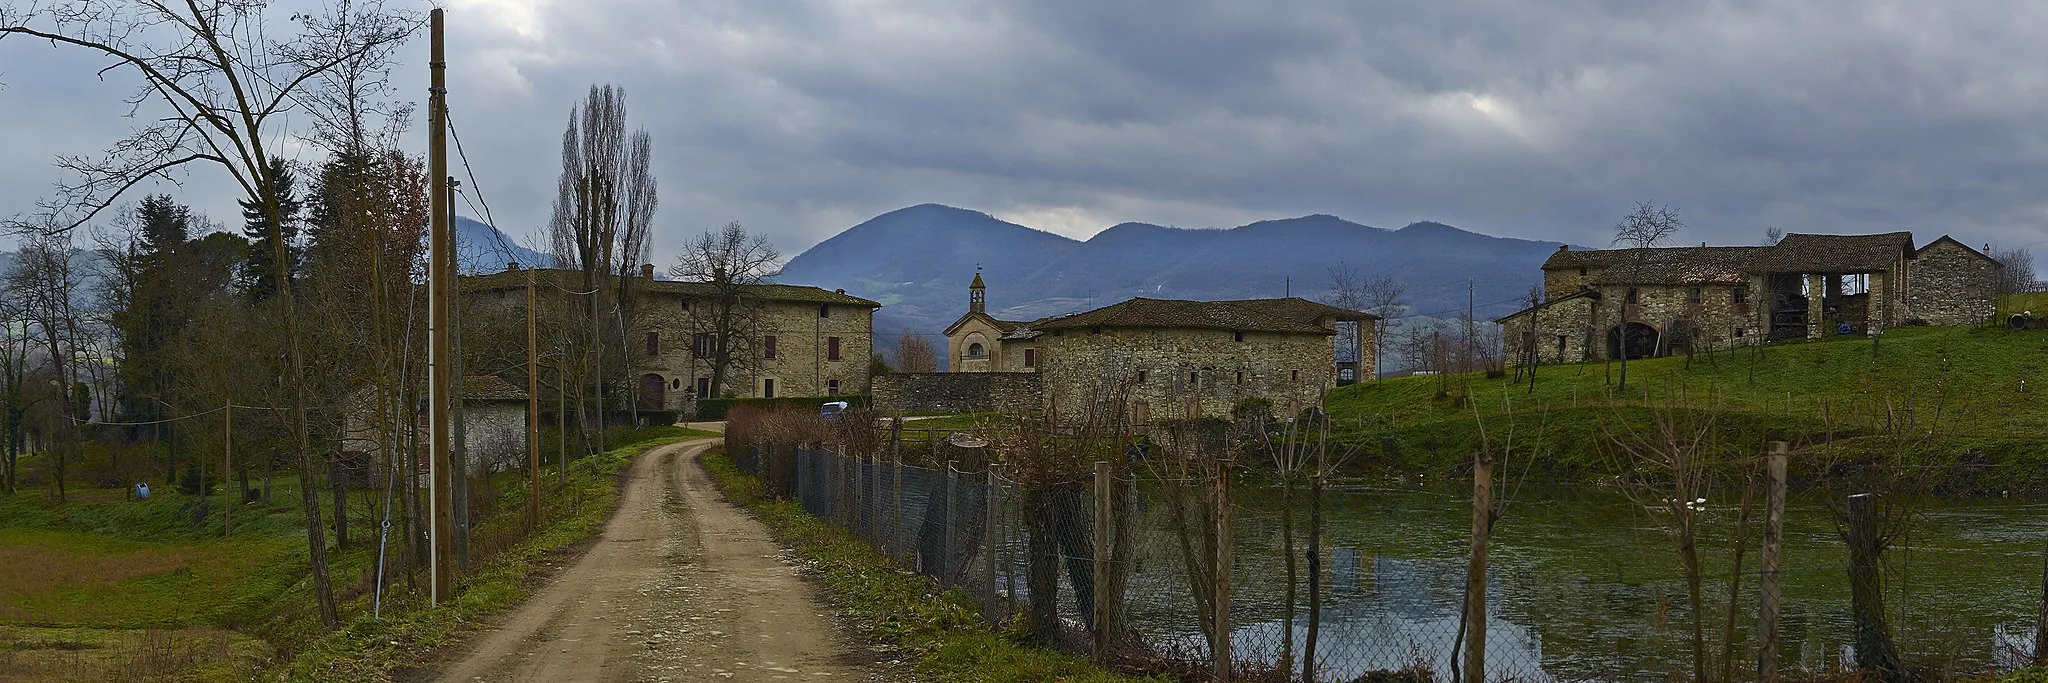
2017	275
45	282
914	353
726	331
1644	228
1773	235
1382	297
603	218
1668	465
223	86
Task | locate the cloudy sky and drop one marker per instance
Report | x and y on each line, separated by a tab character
1542	120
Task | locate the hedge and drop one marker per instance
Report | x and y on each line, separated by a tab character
716	408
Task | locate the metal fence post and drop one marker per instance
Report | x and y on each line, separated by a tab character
896	516
1769	595
1220	650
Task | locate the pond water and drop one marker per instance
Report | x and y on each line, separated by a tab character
1584	584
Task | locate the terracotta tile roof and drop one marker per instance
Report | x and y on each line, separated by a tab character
491	388
1215	315
572	280
1797	253
1583	293
1303	310
1803	253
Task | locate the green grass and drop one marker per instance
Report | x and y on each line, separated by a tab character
1976	392
101	563
940	630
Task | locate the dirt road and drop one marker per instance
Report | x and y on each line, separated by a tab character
681	587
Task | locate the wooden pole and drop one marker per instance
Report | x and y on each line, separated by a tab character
1873	644
532	406
989	547
1100	619
439	284
896	495
946	545
227	510
1221	647
1770	594
1475	573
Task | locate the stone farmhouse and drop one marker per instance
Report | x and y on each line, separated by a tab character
793	340
1176	358
1606	303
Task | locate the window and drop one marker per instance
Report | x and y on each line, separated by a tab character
686	305
831	348
1560	347
1141	376
824	310
976	350
653	343
703	386
1240	373
1031	358
700	345
1738	333
1095	330
1194	379
1740	296
676	383
1633	294
767	387
768	347
1582	272
1344	374
1695	296
1294	375
1237	336
831	387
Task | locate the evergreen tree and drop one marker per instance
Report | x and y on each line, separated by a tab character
259	271
154	313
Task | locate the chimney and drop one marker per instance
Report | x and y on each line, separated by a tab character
647	270
1564	247
511	266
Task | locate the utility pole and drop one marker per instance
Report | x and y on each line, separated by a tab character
438	283
532	409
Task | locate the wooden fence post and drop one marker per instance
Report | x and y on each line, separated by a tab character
1220	649
1866	595
1475	572
1100	618
946	569
1769	594
989	546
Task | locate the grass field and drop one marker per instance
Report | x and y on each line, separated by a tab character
1968	395
104	587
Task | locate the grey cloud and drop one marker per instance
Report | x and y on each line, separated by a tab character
1513	118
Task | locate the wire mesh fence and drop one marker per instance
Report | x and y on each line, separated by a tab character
1124	565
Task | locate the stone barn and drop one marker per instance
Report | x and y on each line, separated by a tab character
1610	303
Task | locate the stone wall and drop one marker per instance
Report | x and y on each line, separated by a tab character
1949	285
1716	321
1188	372
957	392
802	365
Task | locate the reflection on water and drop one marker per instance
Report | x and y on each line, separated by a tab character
1585	586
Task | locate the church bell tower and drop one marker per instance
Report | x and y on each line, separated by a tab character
977	294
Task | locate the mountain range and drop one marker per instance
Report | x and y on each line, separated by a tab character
917	262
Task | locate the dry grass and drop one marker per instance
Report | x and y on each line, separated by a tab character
62	578
83	654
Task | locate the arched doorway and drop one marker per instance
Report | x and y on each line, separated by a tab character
653	392
1641	341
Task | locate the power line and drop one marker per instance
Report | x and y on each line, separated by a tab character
497	235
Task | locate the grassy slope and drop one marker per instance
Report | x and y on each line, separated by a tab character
1967	387
941	630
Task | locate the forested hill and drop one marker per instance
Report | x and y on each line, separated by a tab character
917	261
